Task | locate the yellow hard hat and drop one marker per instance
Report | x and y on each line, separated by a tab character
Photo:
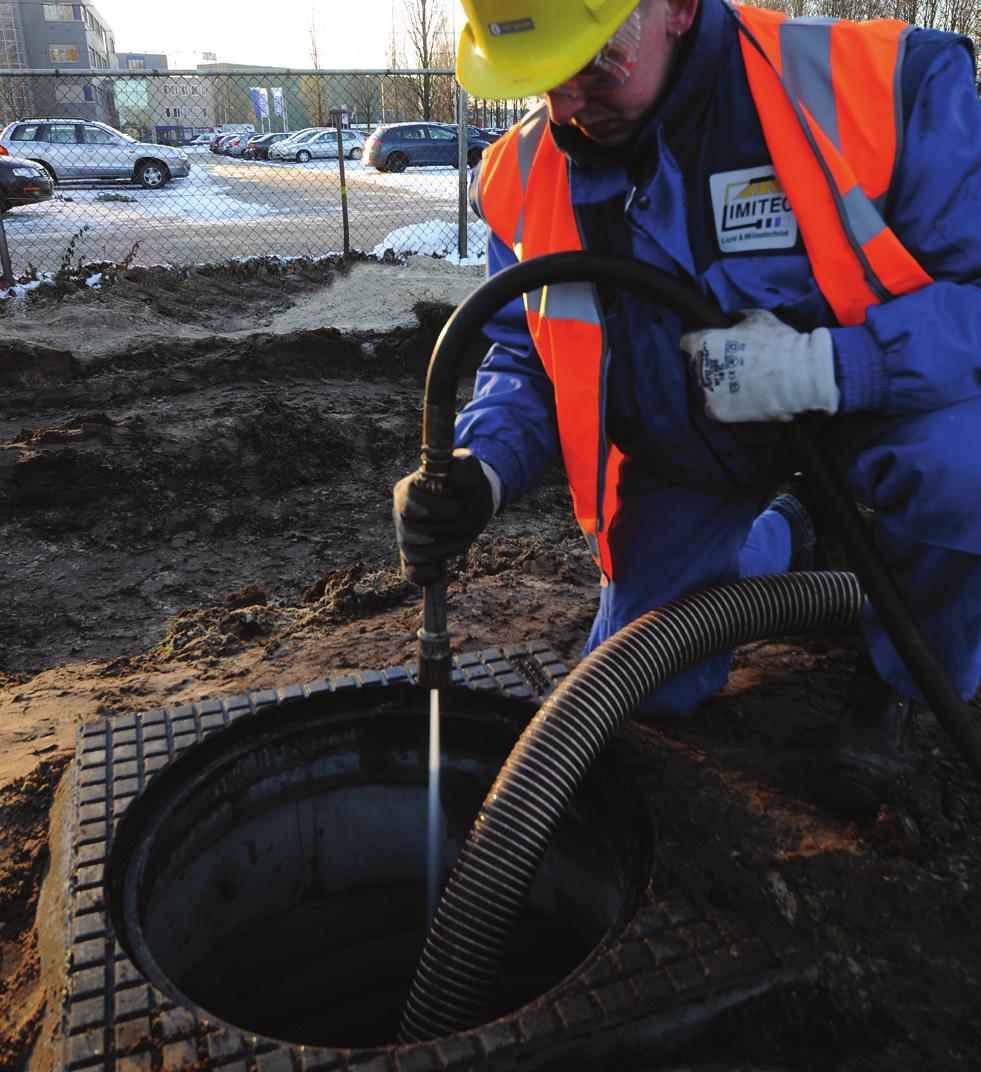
518	48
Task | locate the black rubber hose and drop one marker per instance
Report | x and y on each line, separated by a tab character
698	311
876	578
486	891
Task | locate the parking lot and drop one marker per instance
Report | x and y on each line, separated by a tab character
230	208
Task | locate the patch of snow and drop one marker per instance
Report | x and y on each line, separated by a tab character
18	290
436	238
198	198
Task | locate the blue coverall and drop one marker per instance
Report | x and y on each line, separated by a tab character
908	435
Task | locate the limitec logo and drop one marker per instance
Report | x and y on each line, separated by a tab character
752	212
757	204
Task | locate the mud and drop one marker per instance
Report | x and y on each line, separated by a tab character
194	500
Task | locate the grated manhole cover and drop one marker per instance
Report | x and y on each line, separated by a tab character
699	940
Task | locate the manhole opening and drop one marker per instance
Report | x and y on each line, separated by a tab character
274	876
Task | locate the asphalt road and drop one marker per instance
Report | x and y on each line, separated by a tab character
233	208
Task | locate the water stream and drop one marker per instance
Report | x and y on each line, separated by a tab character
433	856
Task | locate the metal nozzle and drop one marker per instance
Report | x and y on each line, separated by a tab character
434	639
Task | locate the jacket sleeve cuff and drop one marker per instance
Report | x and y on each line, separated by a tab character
860	368
505	464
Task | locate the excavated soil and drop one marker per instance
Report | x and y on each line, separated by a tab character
194	498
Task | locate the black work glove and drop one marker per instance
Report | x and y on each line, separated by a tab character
432	528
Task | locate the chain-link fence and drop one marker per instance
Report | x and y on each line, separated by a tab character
180	167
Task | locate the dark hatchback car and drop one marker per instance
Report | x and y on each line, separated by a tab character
22	182
257	147
400	145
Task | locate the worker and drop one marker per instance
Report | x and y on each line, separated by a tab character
821	178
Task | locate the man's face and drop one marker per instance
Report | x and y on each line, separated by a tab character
612	116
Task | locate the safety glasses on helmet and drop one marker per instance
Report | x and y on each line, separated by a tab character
612	65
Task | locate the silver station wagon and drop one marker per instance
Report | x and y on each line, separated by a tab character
318	144
82	149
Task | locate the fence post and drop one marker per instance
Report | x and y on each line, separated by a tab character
338	115
5	266
463	145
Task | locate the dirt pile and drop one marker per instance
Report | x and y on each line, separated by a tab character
194	493
24	805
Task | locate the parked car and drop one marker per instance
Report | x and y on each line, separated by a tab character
22	182
258	146
323	145
215	139
396	146
82	149
224	141
285	150
236	144
197	142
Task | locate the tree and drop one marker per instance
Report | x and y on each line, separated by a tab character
426	45
957	16
317	106
364	92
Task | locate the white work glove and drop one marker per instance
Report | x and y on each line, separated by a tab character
763	370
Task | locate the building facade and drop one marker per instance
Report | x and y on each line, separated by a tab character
159	107
59	37
183	106
233	100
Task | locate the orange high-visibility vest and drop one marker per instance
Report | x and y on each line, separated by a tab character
827	95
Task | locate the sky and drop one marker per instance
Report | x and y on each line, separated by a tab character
350	33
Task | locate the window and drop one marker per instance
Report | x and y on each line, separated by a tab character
442	134
63	53
136	63
63	12
88	93
25	132
415	133
98	136
61	133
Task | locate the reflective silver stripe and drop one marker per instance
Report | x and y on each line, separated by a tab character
529	138
874	282
592	543
534	300
519	231
475	193
805	57
571	301
897	105
864	222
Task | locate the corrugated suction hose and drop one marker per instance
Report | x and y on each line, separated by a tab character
455	983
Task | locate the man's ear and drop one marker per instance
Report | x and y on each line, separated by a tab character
680	16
